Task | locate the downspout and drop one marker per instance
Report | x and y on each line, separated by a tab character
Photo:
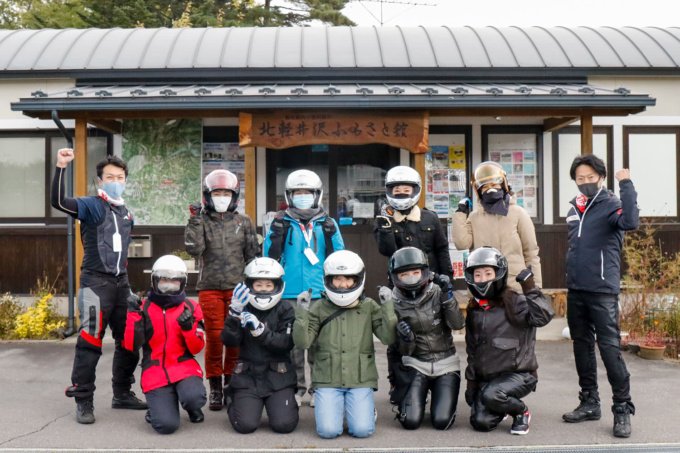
69	232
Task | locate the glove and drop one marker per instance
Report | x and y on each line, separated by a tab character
304	299
405	332
464	205
276	226
384	294
186	320
383	222
250	321
195	208
444	283
383	213
239	299
134	303
525	275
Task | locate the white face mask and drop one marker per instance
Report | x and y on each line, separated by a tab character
410	279
168	287
221	203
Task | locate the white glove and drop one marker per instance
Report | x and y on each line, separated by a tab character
384	294
239	299
304	299
250	321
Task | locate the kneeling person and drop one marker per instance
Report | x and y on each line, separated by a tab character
339	328
500	337
169	329
260	324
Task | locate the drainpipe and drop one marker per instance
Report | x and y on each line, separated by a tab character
69	232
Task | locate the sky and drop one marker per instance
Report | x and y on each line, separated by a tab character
547	13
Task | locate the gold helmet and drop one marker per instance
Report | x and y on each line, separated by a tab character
489	172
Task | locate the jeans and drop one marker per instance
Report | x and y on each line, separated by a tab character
330	410
589	314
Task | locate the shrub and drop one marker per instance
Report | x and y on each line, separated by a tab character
10	308
39	321
182	254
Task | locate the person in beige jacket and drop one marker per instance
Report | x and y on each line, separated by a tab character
497	222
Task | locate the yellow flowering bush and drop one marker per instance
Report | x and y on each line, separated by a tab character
38	321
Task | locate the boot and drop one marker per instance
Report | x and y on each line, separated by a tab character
622	412
84	411
215	403
227	380
589	409
127	400
196	416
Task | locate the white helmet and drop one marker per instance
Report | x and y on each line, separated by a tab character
398	176
348	264
265	269
169	267
304	180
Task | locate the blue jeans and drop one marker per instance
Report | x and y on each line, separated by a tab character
330	410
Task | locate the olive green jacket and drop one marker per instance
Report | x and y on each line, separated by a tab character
344	355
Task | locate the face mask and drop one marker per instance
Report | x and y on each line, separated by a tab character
588	189
221	203
303	201
410	279
492	195
168	287
113	189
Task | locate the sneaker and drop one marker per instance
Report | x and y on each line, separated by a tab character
85	411
520	423
311	401
622	413
588	409
128	400
196	416
298	400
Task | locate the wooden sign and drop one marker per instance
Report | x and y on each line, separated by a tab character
286	129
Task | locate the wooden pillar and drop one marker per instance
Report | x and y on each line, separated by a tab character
251	184
419	164
80	188
586	135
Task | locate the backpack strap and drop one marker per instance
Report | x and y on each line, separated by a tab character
329	319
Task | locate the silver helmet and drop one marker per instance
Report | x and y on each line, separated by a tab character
169	267
399	176
304	180
265	269
348	264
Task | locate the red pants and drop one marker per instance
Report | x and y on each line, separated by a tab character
215	306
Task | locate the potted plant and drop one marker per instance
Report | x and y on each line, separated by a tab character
653	345
188	260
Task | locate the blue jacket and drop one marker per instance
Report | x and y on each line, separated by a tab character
596	239
300	274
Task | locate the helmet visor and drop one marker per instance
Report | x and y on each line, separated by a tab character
489	173
408	258
221	179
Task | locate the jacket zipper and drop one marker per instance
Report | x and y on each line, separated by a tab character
165	343
580	222
115	222
602	264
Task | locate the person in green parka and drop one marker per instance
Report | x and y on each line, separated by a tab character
343	323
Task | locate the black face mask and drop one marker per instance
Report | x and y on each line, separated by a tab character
493	197
588	189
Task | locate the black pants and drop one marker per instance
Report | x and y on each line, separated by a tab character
589	314
244	408
444	390
500	396
102	303
163	407
393	360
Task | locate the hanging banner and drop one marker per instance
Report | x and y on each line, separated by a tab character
286	129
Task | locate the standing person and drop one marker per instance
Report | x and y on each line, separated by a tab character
301	238
596	221
426	315
401	223
105	226
225	241
169	328
497	222
260	325
500	335
340	331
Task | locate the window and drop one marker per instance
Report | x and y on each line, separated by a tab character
652	155
566	146
519	150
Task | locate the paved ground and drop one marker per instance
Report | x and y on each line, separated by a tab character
34	413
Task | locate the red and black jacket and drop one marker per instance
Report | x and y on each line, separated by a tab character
168	351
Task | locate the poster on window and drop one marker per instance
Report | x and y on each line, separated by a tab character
516	153
444	179
230	157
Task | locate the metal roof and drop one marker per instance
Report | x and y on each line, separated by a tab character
78	51
430	96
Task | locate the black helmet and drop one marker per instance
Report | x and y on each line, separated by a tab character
486	256
406	259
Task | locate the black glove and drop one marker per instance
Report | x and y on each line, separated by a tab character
464	205
405	332
525	275
195	208
186	320
276	227
134	303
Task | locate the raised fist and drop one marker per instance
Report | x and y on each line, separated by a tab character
64	156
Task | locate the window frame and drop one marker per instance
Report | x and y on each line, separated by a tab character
537	130
642	130
576	130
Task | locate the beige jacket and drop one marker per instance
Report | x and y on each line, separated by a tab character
513	235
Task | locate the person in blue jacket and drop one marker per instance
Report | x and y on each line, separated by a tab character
596	221
300	238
